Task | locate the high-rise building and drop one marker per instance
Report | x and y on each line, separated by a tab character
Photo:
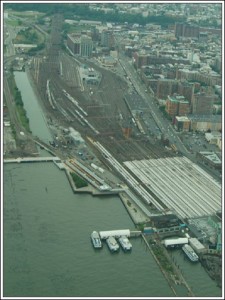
184	108
73	43
177	106
172	106
107	39
186	30
202	104
166	87
80	45
86	46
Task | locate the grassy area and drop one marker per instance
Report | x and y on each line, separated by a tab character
14	23
68	28
29	36
19	104
23	117
79	182
72	28
27	14
158	251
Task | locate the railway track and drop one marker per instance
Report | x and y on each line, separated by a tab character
103	106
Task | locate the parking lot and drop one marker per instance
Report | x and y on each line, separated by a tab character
196	142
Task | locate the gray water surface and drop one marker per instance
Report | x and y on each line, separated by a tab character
47	247
37	121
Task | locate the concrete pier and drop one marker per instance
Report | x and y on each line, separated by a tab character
32	159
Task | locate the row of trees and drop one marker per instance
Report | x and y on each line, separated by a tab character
27	36
20	109
82	11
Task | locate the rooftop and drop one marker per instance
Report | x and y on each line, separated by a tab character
180	184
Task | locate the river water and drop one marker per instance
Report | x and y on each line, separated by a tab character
47	247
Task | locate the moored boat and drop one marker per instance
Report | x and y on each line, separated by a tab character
190	253
96	241
125	243
112	244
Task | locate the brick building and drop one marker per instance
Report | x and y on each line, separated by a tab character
186	30
202	104
166	87
147	59
177	106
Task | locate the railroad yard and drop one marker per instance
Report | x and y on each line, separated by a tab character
103	109
108	114
96	111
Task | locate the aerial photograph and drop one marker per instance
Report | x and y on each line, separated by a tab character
112	149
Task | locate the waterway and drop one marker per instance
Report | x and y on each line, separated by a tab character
37	120
47	247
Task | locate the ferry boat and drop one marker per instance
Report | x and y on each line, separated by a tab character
190	253
125	243
96	241
112	244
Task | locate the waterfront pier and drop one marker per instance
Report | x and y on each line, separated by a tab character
32	159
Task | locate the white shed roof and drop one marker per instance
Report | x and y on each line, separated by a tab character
115	233
177	241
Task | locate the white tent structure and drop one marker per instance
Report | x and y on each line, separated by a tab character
175	242
114	233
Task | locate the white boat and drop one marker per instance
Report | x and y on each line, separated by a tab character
125	243
190	253
96	241
112	244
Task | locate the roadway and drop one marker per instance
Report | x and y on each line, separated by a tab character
163	124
